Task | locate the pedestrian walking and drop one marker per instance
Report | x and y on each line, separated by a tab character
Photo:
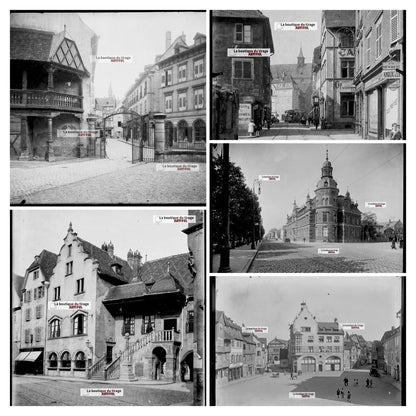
338	392
393	243
395	133
316	122
251	128
349	396
342	393
371	383
367	383
345	381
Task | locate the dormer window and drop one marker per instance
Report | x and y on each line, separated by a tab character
116	268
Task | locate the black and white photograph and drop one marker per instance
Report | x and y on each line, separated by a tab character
108	108
308	74
308	341
307	208
108	308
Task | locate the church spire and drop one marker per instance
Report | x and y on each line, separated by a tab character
110	91
301	58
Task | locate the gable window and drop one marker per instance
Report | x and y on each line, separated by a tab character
79	324
243	69
55	328
378	38
242	33
80	286
182	101
199	68
35	274
69	268
182	73
305	329
128	325
57	293
69	250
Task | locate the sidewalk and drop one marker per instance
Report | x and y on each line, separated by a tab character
241	259
162	385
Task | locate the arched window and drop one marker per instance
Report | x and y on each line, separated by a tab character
53	360
346	39
326	184
79	324
183	131
66	360
200	130
55	328
80	360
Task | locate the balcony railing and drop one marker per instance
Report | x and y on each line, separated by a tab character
45	99
185	145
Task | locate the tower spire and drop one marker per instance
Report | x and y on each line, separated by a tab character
110	90
326	152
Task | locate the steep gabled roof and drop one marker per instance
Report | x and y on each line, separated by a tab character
156	270
245	14
106	262
329	328
18	284
46	261
339	18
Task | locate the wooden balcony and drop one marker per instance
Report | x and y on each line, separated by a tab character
47	100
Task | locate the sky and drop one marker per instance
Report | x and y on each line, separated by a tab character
274	301
36	230
287	42
140	35
370	172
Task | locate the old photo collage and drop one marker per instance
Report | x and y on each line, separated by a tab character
208	208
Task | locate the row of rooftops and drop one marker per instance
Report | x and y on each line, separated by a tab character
165	275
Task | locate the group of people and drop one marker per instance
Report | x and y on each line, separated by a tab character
395	240
341	393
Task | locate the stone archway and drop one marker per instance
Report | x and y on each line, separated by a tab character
308	365
333	363
187	366
158	363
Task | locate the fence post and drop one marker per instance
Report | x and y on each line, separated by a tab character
159	129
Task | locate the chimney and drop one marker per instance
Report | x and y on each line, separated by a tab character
137	262
168	39
110	249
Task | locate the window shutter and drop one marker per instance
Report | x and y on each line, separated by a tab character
394	21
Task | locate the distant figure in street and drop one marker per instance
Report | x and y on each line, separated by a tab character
346	381
371	383
251	128
342	393
316	122
349	396
304	240
356	381
338	392
401	242
393	243
367	383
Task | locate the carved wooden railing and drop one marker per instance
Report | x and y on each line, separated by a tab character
97	366
45	99
112	370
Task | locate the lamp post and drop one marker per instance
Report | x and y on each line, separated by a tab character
253	240
46	285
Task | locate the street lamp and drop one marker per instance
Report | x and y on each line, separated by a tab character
46	285
253	240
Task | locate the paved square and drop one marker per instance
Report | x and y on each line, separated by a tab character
279	257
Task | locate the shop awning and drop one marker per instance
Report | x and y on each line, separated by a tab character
28	356
236	365
22	355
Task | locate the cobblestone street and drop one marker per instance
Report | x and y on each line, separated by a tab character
268	391
108	181
279	257
30	391
289	131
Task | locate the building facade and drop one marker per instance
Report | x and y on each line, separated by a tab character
337	61
251	76
378	80
292	87
52	86
274	350
315	346
261	354
249	355
33	314
328	217
392	348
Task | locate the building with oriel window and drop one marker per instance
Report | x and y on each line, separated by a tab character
315	347
327	217
337	62
33	314
378	78
52	86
